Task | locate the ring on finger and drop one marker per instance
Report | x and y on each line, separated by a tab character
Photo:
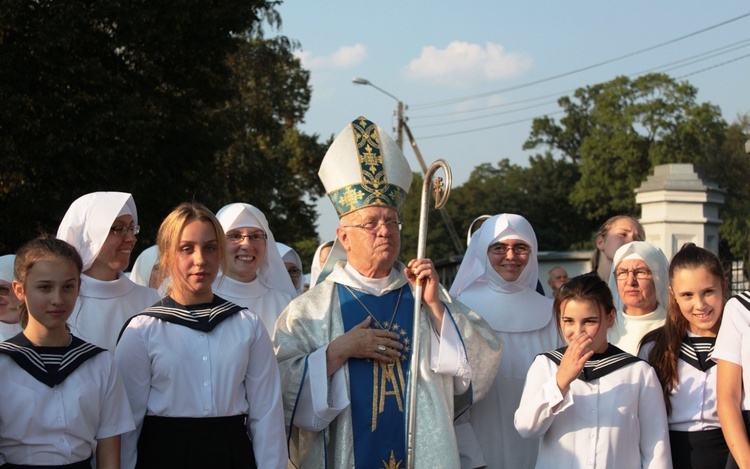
381	348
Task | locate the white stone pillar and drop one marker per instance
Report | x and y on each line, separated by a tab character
679	205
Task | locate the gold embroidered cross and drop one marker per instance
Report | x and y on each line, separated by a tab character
350	198
370	159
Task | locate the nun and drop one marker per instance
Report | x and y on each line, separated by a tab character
102	226
9	313
497	279
293	265
639	282
255	276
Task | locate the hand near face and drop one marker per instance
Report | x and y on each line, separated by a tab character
363	341
573	360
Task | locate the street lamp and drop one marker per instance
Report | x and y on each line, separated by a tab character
400	115
399	140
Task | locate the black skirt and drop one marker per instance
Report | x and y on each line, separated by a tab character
698	450
85	464
731	463
194	443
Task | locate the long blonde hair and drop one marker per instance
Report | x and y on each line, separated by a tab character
639	235
170	232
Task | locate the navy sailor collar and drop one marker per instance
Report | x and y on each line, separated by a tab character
600	364
201	317
49	365
697	351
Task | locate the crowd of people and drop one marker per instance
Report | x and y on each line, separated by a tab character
212	352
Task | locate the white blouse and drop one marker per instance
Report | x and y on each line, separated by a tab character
616	421
693	398
42	425
733	341
173	371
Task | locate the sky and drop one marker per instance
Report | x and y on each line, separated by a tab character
472	75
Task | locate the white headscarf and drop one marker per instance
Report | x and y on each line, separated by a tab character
88	220
144	264
657	262
476	265
316	268
272	272
290	255
6	267
471	227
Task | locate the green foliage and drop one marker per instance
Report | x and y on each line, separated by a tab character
170	101
730	169
618	131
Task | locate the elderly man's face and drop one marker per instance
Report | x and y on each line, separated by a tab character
557	278
372	240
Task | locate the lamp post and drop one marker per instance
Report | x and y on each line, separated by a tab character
400	110
457	244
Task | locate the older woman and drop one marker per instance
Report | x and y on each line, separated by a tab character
255	276
102	227
639	282
497	279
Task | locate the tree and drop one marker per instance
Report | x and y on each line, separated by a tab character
619	130
729	169
170	101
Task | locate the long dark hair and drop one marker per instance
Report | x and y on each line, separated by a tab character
667	339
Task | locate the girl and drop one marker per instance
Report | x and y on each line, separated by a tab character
253	276
615	232
61	398
200	372
592	404
9	304
680	352
102	227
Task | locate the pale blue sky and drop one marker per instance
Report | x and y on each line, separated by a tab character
427	52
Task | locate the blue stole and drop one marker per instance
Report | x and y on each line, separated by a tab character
377	389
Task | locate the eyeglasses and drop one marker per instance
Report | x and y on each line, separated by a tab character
639	274
294	272
124	230
502	249
4	290
373	226
254	238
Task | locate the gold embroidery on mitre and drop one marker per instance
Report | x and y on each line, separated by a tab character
373	188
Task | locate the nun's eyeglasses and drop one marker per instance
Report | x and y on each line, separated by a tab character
639	274
254	238
502	249
124	230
